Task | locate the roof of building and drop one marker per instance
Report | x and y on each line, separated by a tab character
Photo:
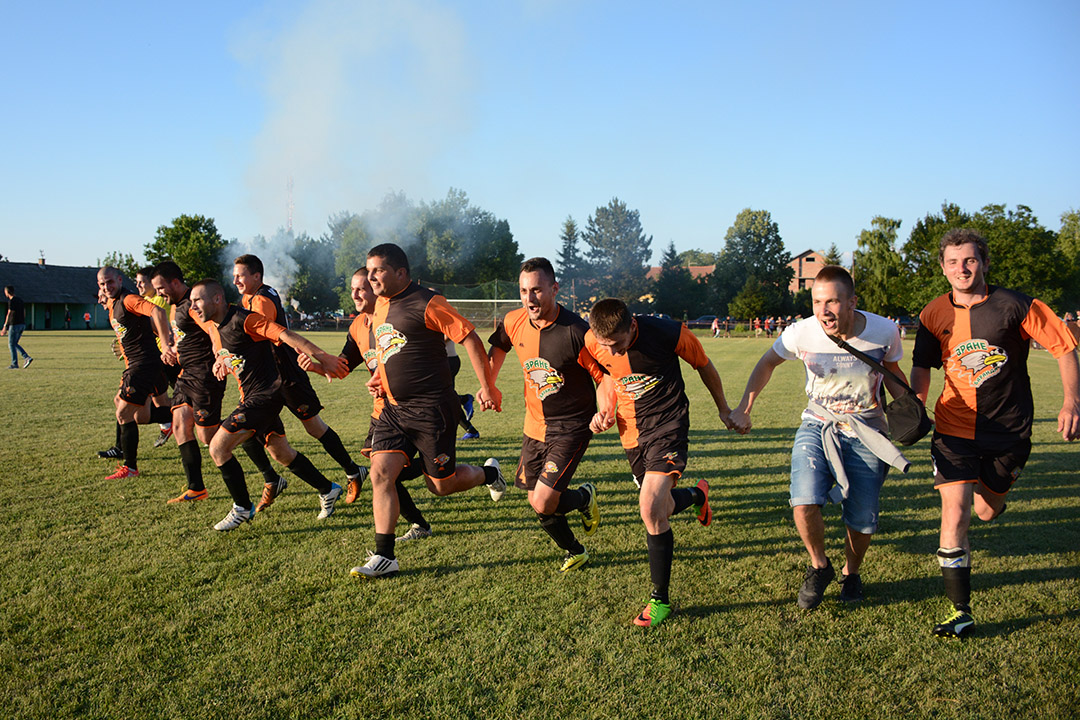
42	283
696	271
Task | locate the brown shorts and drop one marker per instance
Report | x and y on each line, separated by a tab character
993	463
427	430
261	414
663	450
142	381
552	462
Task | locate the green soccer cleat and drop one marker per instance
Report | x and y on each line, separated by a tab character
957	625
654	613
574	561
590	514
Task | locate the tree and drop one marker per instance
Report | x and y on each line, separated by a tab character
832	255
676	291
192	242
619	252
753	254
698	257
465	245
395	220
925	281
574	275
124	262
316	285
1068	247
878	270
1023	254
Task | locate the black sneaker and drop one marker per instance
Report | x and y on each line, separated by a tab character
111	454
851	588
814	584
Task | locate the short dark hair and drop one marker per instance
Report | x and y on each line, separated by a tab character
394	256
168	270
539	264
9	289
362	270
836	274
251	262
962	236
212	286
609	317
147	272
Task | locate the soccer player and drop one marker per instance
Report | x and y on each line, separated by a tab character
979	334
841	452
244	342
146	288
640	356
559	405
421	410
137	324
196	400
296	390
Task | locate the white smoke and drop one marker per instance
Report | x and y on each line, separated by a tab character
279	269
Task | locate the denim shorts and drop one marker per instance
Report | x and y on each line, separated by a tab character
812	477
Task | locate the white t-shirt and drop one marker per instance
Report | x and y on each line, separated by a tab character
835	378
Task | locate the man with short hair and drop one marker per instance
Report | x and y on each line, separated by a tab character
244	342
640	357
14	326
979	335
841	451
296	390
145	287
420	415
559	405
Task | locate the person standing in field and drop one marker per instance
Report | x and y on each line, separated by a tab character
14	325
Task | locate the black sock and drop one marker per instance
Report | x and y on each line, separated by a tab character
410	471
958	587
571	500
490	474
661	549
257	453
160	414
684	498
466	425
336	449
407	508
302	468
233	475
118	440
129	443
384	545
191	459
559	530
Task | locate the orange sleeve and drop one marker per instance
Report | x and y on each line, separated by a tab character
261	327
593	348
587	361
215	337
441	317
689	349
206	326
1047	329
261	304
139	305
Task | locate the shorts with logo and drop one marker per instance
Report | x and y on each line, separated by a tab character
996	464
663	449
300	398
142	381
429	430
552	462
260	414
203	395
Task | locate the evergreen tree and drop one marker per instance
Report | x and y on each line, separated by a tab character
619	252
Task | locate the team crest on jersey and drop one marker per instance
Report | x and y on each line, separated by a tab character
235	362
977	360
119	329
551	468
545	380
371	360
178	333
634	386
389	341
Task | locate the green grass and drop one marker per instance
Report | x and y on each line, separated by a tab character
114	605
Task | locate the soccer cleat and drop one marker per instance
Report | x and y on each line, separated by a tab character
163	438
270	493
112	453
471	435
704	511
123	471
572	561
355	485
29	360
189	496
851	588
236	517
327	501
376	566
590	514
814	584
416	532
497	487
654	613
957	625
467	405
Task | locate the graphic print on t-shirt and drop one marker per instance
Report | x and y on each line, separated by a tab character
977	361
636	385
543	378
389	341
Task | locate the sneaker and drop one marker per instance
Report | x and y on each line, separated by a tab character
590	514
13	366
572	561
328	500
814	584
112	453
376	566
471	435
236	517
957	625
654	613
163	438
704	511
416	532
497	487
189	496
123	471
270	493
355	485
467	405
26	364
850	588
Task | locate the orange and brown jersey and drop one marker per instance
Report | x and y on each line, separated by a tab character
983	350
360	350
194	348
266	301
559	371
246	340
648	380
409	329
130	316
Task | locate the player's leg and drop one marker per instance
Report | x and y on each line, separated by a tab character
386	465
956	467
230	436
656	505
299	465
419	527
183	430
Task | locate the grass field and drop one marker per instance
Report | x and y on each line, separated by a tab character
114	605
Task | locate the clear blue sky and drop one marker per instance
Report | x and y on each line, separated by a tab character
120	116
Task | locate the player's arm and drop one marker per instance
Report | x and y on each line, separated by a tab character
488	395
759	378
925	355
332	366
605	406
1069	417
496	357
711	377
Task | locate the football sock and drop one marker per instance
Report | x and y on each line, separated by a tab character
303	469
407	508
118	440
571	500
410	471
661	550
257	453
384	545
491	474
466	425
559	530
191	459
160	415
684	498
956	571
336	449
129	443
233	475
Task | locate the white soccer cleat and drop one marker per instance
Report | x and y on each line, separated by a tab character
236	517
375	567
327	501
416	532
496	487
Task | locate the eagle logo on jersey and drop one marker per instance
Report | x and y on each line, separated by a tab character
442	459
671	457
545	380
235	363
177	332
977	360
550	468
634	386
119	329
371	359
389	341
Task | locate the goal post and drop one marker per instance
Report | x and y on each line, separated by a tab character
484	312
